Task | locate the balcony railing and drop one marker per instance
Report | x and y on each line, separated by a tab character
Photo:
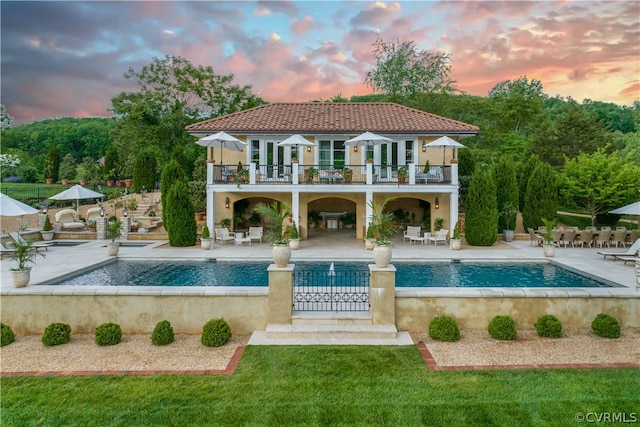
328	175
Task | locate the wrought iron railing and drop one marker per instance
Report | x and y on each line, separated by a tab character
322	291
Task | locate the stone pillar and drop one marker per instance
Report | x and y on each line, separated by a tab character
101	228
280	294
125	226
41	218
382	294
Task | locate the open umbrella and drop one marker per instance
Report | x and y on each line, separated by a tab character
13	207
368	139
222	140
76	193
632	209
294	140
444	142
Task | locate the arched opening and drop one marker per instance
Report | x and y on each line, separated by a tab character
336	217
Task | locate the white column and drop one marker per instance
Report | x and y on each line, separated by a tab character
454	195
454	172
211	196
367	210
295	170
252	173
369	169
209	172
412	173
295	207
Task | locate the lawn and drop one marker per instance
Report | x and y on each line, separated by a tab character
34	194
322	385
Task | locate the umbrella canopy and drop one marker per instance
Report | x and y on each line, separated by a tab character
76	193
12	207
294	140
632	209
222	140
367	139
444	142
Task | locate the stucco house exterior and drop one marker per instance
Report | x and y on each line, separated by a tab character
329	178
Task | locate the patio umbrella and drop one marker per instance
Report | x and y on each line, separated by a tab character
444	142
367	139
222	140
632	209
294	140
12	207
76	193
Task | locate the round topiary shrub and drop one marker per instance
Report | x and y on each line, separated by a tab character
6	335
606	326
162	333
56	334
108	334
502	328
548	326
215	333
444	328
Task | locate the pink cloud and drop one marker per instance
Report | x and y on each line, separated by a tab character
301	27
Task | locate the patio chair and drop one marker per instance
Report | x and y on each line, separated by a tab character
255	233
619	237
569	237
93	213
632	237
19	239
630	252
586	236
67	218
223	235
603	238
556	236
440	236
536	239
411	231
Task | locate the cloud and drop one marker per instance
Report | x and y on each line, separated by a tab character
301	27
376	13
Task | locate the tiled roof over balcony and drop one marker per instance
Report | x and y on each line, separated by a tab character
334	117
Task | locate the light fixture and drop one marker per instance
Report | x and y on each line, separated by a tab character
424	146
437	203
44	211
226	203
308	148
125	212
101	212
355	148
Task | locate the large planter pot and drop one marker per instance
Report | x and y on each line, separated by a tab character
455	244
507	235
382	256
47	235
20	278
294	244
128	183
281	255
206	243
64	181
48	180
113	248
201	216
110	183
368	244
549	250
83	182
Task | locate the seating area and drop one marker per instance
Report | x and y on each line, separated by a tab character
68	220
588	238
223	235
434	175
629	255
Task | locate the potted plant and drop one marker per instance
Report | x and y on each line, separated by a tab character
349	220
47	229
456	242
242	175
92	226
276	213
509	213
347	175
225	223
313	219
113	232
427	167
294	237
206	240
402	174
549	246
383	228
438	223
24	254
369	239
311	174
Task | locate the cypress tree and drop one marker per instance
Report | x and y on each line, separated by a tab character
111	163
504	174
181	224
481	222
144	171
171	173
52	164
523	178
541	197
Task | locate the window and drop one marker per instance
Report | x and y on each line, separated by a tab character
331	153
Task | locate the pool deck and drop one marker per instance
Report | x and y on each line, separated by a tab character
328	246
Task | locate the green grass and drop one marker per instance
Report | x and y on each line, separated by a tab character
323	385
34	193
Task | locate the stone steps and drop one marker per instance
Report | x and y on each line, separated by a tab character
332	331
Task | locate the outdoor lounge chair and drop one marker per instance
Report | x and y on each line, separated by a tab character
223	235
67	218
19	239
255	233
627	258
630	252
4	251
411	231
93	213
440	236
536	239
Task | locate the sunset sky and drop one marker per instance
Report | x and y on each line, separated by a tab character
68	58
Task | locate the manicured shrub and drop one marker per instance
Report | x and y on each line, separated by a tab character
502	328
606	326
524	174
481	223
108	334
6	335
56	334
162	333
541	197
52	164
548	326
181	227
215	333
504	174
171	173
144	171
444	328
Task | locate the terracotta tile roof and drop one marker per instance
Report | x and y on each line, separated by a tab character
338	117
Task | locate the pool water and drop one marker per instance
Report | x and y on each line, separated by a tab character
439	274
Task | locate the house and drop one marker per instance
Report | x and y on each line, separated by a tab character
330	179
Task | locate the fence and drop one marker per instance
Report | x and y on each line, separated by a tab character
331	291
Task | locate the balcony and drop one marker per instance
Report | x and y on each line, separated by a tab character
367	174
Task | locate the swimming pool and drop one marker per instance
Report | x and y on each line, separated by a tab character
429	275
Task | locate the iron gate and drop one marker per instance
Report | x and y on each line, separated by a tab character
331	291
